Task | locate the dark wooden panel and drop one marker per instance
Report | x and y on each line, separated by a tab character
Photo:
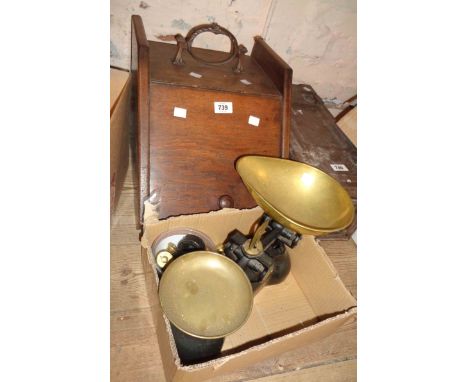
192	159
318	141
281	75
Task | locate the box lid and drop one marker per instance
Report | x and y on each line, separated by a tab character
252	80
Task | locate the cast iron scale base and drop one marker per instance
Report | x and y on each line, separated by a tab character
266	261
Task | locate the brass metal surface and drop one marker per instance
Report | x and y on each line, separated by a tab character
205	294
301	197
255	250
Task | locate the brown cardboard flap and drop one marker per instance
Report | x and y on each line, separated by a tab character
118	80
119	132
259	353
276	304
209	222
319	279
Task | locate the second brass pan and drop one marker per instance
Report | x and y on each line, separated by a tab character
205	294
301	197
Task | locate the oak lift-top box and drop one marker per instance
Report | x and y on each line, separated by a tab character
194	118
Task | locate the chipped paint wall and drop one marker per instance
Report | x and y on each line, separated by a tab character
318	40
316	37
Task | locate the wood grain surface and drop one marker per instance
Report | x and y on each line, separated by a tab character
134	350
281	75
215	141
213	77
140	105
192	159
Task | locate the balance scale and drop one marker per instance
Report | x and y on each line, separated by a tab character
206	291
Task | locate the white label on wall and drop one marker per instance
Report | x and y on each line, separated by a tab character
223	107
246	82
180	112
255	121
196	75
338	167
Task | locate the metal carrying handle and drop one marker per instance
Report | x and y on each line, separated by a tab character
236	51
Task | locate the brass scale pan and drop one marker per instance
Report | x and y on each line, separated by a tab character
207	295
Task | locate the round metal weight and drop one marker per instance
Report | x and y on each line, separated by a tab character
170	245
205	295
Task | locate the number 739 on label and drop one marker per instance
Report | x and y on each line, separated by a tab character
223	107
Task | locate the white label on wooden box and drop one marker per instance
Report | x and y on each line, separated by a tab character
196	75
223	107
246	82
180	112
254	121
338	167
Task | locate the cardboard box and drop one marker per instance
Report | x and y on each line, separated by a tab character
348	123
119	132
310	304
